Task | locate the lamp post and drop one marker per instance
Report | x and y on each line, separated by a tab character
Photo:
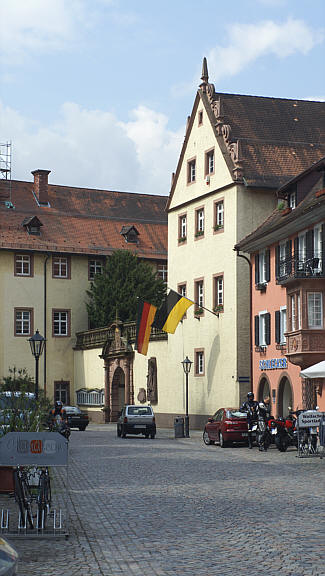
187	368
37	346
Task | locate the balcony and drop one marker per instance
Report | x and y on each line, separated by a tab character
305	347
295	268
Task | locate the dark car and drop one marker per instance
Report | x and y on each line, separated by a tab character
227	426
136	420
76	418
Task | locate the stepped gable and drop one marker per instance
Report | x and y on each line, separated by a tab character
84	220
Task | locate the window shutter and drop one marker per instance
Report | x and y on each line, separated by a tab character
323	247
277	261
268	329
288	263
277	326
257	330
257	269
296	252
310	244
267	265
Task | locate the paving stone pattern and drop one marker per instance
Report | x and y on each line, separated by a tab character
166	507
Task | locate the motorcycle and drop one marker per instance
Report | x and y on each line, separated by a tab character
60	425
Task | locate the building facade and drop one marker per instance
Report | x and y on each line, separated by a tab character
53	241
288	290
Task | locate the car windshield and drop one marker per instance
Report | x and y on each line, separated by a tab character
236	414
139	410
72	409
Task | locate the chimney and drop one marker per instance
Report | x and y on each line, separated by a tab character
41	185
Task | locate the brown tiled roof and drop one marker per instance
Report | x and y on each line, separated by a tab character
285	222
83	220
265	141
278	137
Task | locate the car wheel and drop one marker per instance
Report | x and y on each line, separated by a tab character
82	428
152	436
206	438
119	431
222	442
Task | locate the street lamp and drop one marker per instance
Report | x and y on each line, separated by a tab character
37	346
187	368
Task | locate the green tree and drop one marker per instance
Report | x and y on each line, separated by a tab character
19	411
124	279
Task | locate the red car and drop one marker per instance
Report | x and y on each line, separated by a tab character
227	426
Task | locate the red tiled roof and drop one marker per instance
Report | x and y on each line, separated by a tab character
83	220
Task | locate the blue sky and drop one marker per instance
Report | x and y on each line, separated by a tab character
98	91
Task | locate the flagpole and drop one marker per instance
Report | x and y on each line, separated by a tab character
196	303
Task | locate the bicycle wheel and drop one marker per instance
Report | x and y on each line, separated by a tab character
43	499
23	498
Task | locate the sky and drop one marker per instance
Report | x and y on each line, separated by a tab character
98	91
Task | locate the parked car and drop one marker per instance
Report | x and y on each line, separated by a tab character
136	420
8	559
226	426
76	418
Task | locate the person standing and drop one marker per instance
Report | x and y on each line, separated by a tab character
250	407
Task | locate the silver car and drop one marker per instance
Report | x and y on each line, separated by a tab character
136	420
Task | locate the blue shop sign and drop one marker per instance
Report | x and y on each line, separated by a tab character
274	364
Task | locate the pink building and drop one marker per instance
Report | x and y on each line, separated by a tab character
287	255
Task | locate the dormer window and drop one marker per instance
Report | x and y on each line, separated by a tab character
292	200
32	225
130	234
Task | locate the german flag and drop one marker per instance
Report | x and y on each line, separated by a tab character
146	314
171	312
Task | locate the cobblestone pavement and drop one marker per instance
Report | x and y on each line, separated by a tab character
168	507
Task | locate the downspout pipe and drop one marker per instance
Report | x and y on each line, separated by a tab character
250	314
45	322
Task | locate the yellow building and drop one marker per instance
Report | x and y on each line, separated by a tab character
53	240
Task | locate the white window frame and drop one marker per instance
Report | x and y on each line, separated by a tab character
63	263
293	312
183	226
283	324
302	247
61	323
292	200
22	260
200	220
199	363
95	267
315	310
162	272
220	214
210	162
90	397
191	171
282	258
318	246
219	290
262	328
23	319
299	311
200	293
262	267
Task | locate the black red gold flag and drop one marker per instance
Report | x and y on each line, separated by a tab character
145	317
171	312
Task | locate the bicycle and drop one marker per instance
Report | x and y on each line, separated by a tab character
44	498
23	497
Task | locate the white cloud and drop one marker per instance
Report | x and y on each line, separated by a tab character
38	25
92	148
248	42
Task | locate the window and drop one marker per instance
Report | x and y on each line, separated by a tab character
280	325
200	117
263	329
181	289
209	162
219	215
292	200
61	267
293	312
318	248
23	322
218	293
262	267
199	222
301	250
61	321
315	309
199	362
94	267
162	272
191	171
199	295
182	228
62	392
23	265
282	259
298	312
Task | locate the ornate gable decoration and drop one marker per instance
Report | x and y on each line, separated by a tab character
222	129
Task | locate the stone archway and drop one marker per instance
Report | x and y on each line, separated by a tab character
285	396
118	391
264	389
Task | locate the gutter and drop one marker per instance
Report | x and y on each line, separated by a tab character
250	315
45	319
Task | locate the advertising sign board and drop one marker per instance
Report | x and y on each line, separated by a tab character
33	449
310	418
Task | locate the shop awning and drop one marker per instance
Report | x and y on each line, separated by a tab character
315	371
